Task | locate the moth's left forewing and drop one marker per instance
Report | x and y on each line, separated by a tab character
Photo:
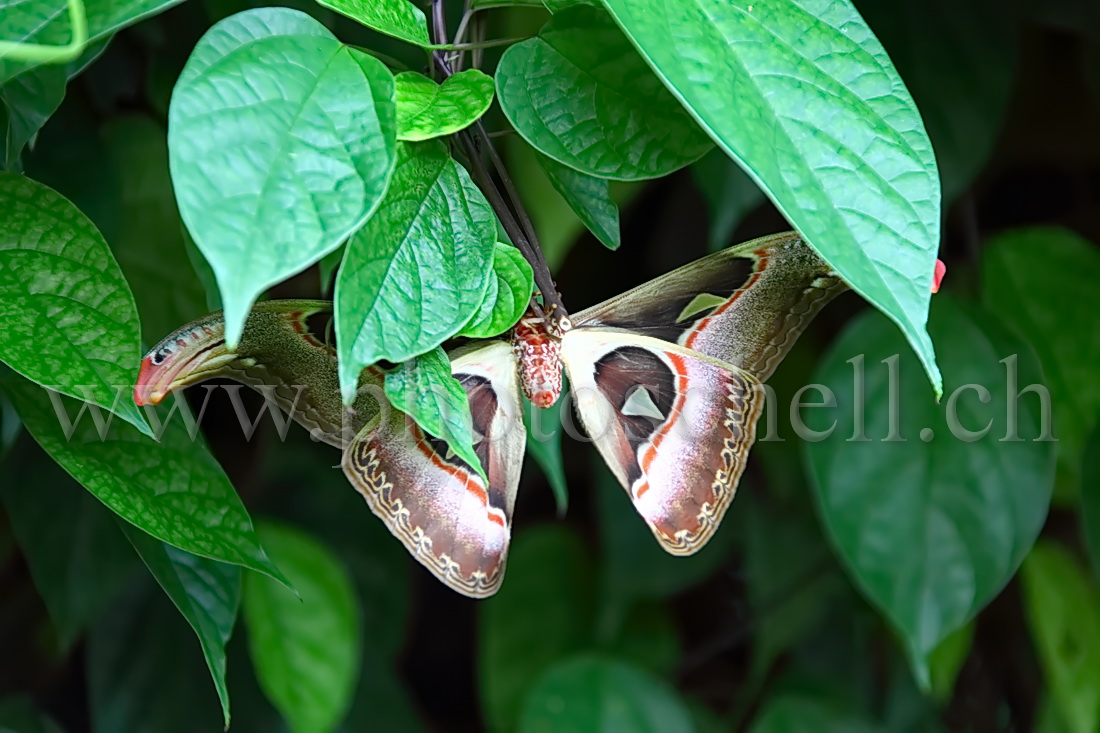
451	520
674	425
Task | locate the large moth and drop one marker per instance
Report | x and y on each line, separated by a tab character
666	379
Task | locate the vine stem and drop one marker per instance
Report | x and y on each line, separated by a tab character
507	206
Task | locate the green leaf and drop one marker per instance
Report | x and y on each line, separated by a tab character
507	296
802	95
946	661
144	669
47	22
589	198
591	693
78	559
1090	500
930	507
328	265
172	489
398	18
305	650
1043	281
959	62
545	610
634	565
69	320
426	109
544	445
581	95
646	636
281	142
789	713
424	389
18	714
206	592
1063	609
418	270
26	102
730	195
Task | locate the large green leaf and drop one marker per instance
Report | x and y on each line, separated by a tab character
47	22
206	592
418	270
172	489
506	297
591	693
803	96
305	650
581	95
1063	609
77	557
281	141
424	389
397	18
1043	281
930	507
589	198
791	713
69	320
145	672
958	60
426	109
542	614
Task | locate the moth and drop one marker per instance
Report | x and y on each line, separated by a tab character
666	380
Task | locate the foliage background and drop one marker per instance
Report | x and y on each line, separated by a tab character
764	630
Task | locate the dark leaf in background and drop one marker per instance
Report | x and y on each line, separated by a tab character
1090	500
544	428
730	195
19	715
930	515
145	669
541	614
589	198
79	559
1042	281
1063	607
591	693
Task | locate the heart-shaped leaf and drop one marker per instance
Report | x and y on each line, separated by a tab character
426	109
417	271
805	99
930	507
507	296
597	693
305	650
581	95
67	317
281	143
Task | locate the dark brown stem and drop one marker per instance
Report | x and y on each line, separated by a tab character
513	217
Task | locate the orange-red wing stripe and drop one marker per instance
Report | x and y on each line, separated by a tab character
758	270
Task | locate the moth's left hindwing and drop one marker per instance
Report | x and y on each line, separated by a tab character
674	426
438	506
